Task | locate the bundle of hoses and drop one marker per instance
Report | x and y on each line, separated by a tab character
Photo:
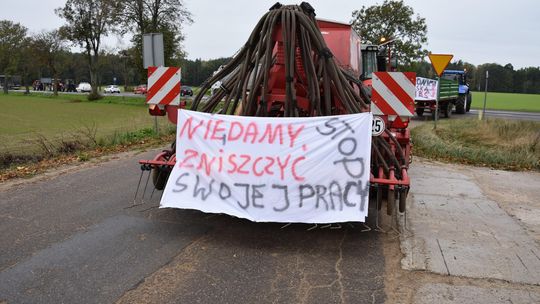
245	79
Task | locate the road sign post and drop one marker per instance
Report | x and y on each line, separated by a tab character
153	55
437	103
485	95
439	63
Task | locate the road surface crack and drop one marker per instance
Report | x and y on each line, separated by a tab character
444	259
337	267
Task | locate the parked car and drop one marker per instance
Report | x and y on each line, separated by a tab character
186	91
140	89
112	89
84	87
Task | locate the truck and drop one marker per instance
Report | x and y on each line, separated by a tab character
453	93
324	72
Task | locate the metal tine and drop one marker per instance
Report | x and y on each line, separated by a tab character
138	185
312	227
285	226
394	222
153	190
326	226
377	227
146	185
366	228
338	226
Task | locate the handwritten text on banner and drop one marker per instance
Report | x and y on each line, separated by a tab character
308	170
426	89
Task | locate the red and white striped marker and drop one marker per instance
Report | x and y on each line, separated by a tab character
163	86
393	93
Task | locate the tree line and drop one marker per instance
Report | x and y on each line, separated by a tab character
502	78
87	22
47	54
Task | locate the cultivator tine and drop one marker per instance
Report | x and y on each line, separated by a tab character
146	185
138	186
285	226
338	226
312	227
366	228
377	227
153	190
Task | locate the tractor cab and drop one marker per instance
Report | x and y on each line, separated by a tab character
369	61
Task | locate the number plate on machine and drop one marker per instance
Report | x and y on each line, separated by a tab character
377	126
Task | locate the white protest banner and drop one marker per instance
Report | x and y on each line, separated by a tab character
305	170
426	89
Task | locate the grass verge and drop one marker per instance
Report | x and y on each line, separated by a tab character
496	143
54	153
507	101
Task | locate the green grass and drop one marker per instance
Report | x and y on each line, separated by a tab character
497	143
507	101
30	123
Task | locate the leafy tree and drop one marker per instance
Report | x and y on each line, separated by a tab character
47	47
393	20
12	36
87	22
156	16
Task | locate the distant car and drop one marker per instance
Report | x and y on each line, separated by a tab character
84	87
140	89
186	91
112	89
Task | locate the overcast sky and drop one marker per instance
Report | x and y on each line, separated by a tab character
477	31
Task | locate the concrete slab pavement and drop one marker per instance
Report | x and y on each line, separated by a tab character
447	294
459	231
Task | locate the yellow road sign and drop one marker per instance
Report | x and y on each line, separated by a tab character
440	62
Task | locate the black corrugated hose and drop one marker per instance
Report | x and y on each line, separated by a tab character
247	76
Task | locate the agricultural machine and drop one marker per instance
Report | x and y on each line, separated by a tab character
453	92
294	65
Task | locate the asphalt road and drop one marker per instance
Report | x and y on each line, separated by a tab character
489	113
506	115
73	239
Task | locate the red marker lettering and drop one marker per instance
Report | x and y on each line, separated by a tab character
217	129
294	134
251	131
254	169
232	135
189	155
282	166
232	161
272	134
246	159
293	169
190	128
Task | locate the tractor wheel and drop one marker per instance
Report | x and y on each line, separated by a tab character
447	109
460	104
419	112
403	200
469	101
160	176
391	201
